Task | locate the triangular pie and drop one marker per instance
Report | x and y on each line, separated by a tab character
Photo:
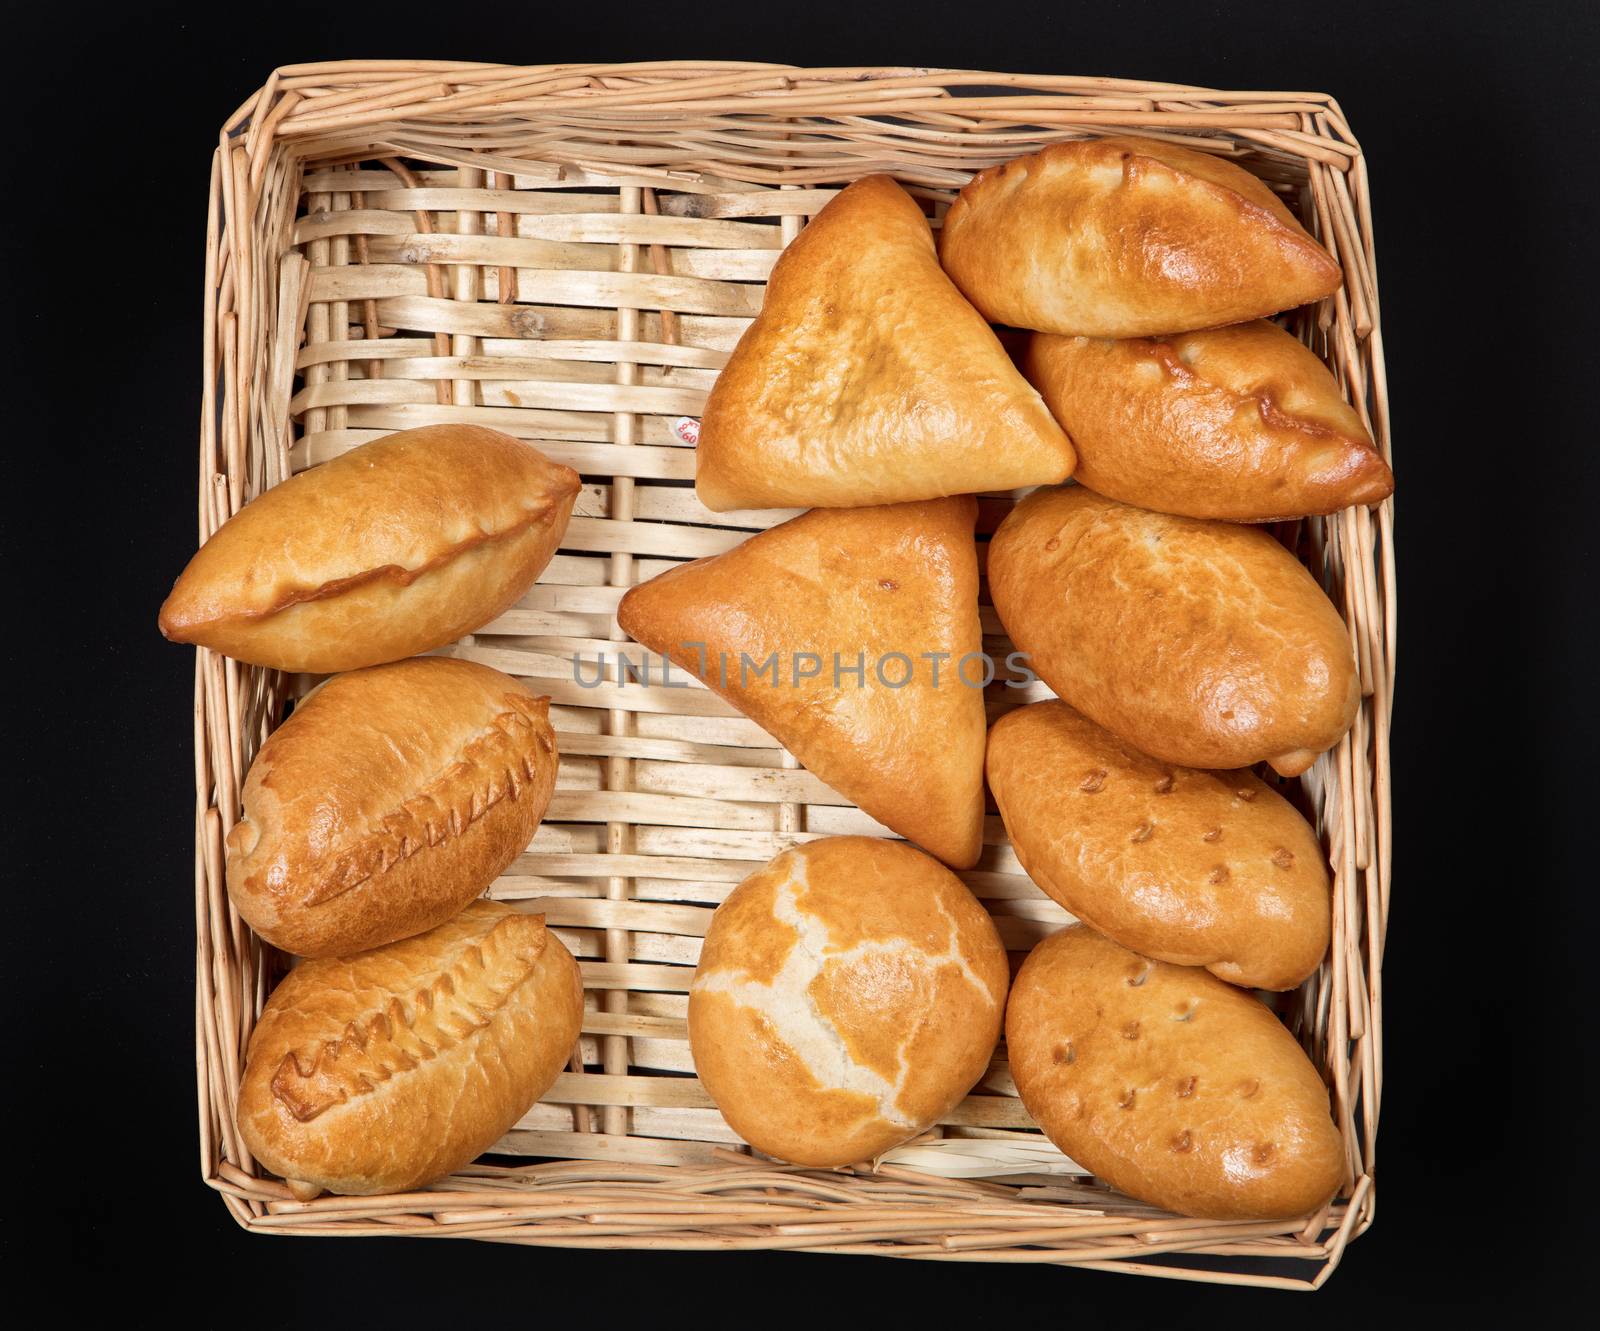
867	379
823	594
1128	237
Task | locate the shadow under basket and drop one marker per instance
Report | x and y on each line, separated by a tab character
568	254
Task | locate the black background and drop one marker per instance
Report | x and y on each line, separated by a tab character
1478	127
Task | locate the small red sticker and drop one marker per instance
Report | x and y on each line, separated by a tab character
687	429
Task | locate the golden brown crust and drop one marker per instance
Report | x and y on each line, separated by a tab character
862	583
867	379
1174	1087
1242	423
383	1071
1201	643
848	995
388	800
394	548
1128	237
1212	869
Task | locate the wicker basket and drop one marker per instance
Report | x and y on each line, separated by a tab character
568	253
